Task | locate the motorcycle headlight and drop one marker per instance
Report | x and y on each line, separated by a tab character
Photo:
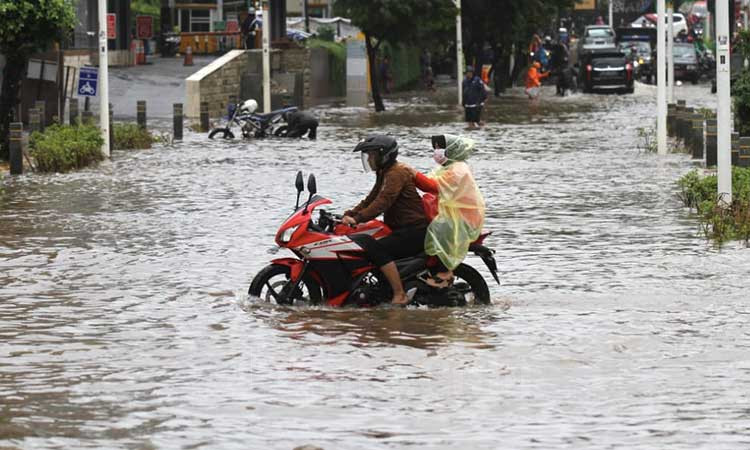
286	236
635	63
640	61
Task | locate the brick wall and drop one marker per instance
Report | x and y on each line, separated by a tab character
214	84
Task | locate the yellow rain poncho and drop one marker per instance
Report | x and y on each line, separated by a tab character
460	205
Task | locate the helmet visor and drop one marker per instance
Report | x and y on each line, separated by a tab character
366	162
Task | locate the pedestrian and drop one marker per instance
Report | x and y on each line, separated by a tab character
534	80
247	29
425	62
385	74
300	123
474	96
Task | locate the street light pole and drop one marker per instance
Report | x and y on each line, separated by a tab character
661	69
611	21
670	54
266	30
723	113
103	78
459	54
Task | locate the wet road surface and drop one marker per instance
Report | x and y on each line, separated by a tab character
124	321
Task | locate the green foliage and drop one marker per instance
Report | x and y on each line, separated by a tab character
147	8
29	26
337	54
647	139
741	102
719	222
63	147
326	33
743	43
129	136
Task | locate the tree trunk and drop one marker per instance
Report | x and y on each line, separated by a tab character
374	81
12	76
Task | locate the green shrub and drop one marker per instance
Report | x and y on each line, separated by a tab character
63	147
128	136
741	100
326	33
718	222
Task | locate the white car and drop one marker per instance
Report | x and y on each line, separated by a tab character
596	37
679	24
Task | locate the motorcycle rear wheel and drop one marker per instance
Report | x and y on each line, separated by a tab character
223	133
274	279
472	285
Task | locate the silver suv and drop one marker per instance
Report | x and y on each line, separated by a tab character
596	37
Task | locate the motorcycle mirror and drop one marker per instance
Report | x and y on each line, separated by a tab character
300	184
311	186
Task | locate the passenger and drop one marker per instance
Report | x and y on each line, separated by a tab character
534	80
395	196
460	206
474	96
299	123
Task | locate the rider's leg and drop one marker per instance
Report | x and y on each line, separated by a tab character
391	274
313	134
379	256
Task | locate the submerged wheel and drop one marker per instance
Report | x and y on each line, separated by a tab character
471	284
274	280
281	131
222	133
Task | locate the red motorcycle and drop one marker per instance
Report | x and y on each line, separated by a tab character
330	268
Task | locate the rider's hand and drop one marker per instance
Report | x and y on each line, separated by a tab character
348	220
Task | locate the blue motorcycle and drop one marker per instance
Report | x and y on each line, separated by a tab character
250	123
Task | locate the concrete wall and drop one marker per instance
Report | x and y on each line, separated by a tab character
215	83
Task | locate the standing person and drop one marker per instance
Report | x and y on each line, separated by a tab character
395	196
460	206
247	29
534	80
425	62
385	74
299	123
474	96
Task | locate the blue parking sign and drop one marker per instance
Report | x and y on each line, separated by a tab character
87	81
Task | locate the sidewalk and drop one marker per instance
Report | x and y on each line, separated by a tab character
161	83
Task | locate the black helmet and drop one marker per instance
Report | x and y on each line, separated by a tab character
385	146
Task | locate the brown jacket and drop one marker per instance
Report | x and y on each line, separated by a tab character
395	196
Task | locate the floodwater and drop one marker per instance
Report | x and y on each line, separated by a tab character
124	319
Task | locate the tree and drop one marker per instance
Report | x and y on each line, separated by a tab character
28	26
397	22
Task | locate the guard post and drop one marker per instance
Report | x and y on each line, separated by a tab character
16	150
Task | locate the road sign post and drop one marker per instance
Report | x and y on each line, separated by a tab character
104	33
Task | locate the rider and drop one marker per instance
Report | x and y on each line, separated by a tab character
460	208
395	196
301	122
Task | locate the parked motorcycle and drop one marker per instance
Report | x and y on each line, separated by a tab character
250	123
332	269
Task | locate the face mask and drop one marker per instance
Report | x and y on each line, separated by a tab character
439	156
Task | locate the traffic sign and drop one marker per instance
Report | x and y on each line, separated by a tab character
87	81
144	28
111	26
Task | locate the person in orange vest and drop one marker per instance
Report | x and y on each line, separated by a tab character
534	79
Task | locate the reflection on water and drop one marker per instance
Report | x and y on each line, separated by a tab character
124	321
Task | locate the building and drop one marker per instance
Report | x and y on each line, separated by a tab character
315	8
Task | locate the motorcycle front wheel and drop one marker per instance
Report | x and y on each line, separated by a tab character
222	133
281	131
273	284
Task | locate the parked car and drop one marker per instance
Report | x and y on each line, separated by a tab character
686	65
596	37
638	54
679	24
605	69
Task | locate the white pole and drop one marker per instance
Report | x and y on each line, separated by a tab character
459	55
266	58
661	75
723	113
103	77
611	22
670	54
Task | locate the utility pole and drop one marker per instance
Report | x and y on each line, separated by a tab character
459	54
670	54
661	75
266	29
306	12
723	113
611	15
103	78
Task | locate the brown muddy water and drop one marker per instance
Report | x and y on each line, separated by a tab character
124	319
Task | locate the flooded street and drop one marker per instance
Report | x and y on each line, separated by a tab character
125	323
